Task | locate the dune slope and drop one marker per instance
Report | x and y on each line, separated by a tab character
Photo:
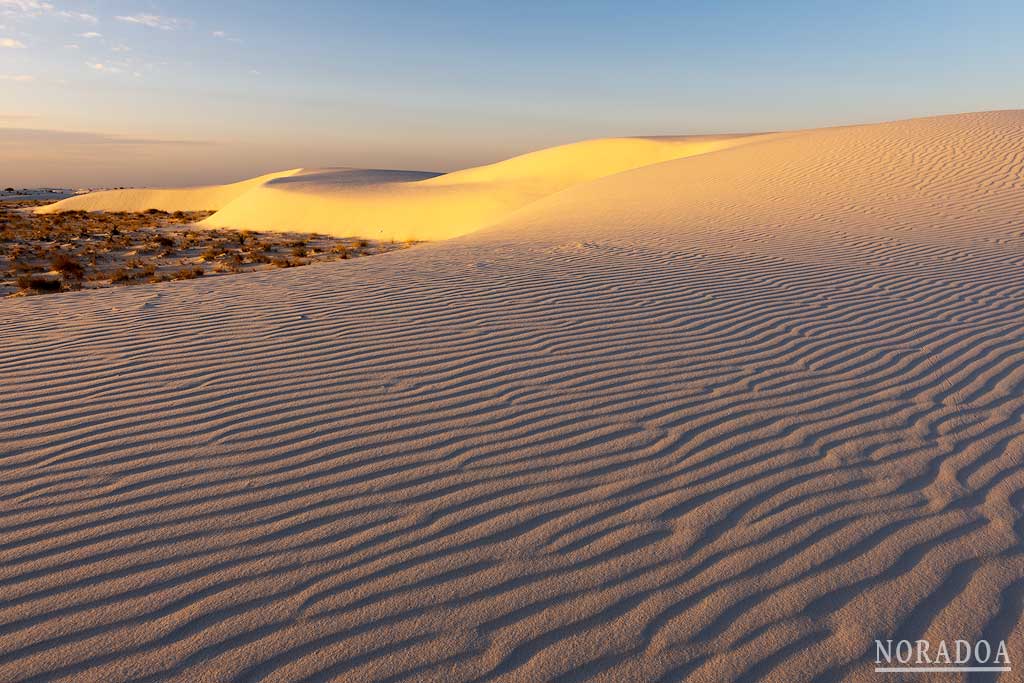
203	198
403	205
723	418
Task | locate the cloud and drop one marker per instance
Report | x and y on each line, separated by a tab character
223	35
8	135
19	78
153	21
108	68
81	16
90	34
11	43
71	46
30	8
36	8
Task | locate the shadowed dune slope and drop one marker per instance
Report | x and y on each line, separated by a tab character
726	418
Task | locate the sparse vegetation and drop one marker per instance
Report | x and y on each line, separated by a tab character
67	266
38	284
41	254
188	273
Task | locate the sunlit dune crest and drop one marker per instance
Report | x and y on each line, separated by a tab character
404	205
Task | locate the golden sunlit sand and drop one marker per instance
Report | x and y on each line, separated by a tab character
403	205
712	409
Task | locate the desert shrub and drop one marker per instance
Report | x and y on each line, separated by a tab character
212	251
38	285
256	255
123	275
164	241
279	262
188	273
67	266
155	212
299	251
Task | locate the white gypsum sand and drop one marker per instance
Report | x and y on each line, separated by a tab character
728	417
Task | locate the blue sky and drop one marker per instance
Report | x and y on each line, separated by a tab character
127	92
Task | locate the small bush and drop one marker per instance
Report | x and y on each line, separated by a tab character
122	275
188	273
38	285
211	252
67	266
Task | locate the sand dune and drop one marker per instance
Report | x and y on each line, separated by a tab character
722	418
204	198
404	205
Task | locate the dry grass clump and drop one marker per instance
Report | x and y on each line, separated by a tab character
188	273
67	266
38	284
77	249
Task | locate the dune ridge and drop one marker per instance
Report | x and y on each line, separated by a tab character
724	418
404	205
200	198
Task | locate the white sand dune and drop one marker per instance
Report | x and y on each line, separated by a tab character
203	198
723	418
403	205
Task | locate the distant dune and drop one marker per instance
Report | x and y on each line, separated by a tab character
703	410
403	204
205	198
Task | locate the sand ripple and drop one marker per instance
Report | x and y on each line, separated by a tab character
726	418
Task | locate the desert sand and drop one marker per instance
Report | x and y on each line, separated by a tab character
403	205
727	415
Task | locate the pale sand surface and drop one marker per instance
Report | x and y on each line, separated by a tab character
723	418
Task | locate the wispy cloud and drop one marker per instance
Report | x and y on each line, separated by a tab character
26	7
107	68
224	35
81	138
19	78
11	43
81	16
71	46
153	21
90	34
17	117
36	8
